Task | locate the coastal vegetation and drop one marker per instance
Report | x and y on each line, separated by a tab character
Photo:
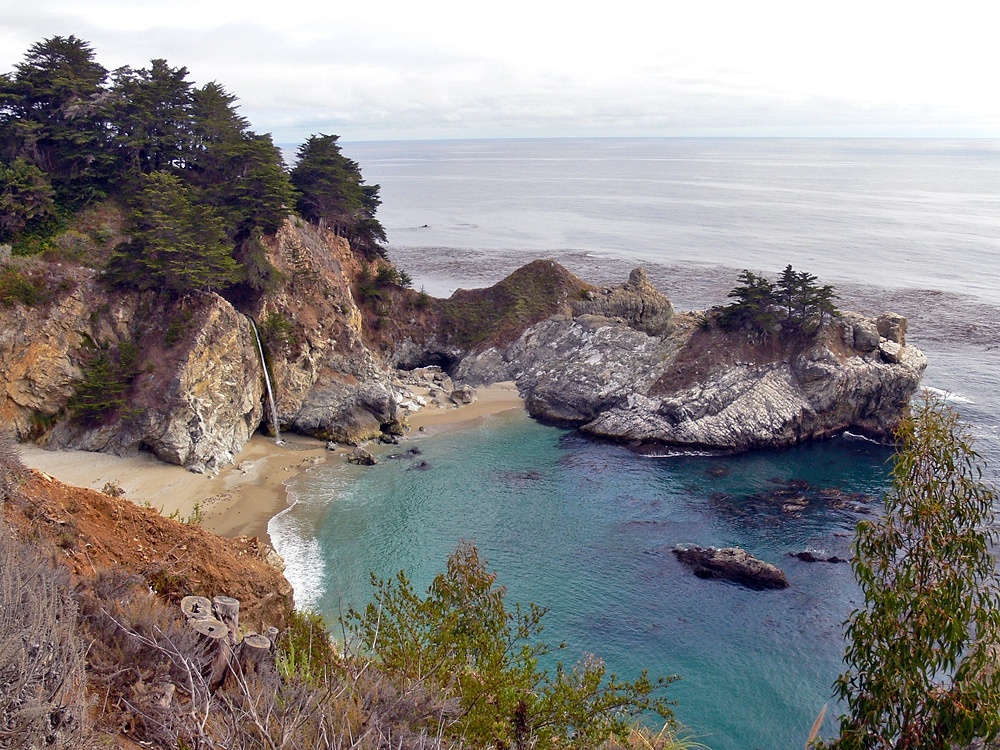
922	651
793	304
98	655
462	639
200	190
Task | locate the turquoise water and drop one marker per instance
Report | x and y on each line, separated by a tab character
585	529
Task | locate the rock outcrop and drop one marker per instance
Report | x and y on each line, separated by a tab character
328	382
731	564
637	303
194	397
696	386
616	362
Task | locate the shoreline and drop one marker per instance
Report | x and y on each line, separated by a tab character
243	497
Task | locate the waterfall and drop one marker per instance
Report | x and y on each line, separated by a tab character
267	381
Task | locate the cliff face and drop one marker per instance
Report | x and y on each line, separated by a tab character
701	388
328	382
193	393
617	362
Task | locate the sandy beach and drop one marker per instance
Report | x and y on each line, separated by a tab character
243	497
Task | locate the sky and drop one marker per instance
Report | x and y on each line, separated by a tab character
423	69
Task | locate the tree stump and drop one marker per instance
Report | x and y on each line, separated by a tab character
217	647
227	609
272	635
254	650
196	607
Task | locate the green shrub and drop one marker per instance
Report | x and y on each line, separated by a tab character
278	330
921	654
15	288
423	300
177	328
305	649
461	639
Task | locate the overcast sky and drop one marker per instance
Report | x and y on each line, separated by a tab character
371	70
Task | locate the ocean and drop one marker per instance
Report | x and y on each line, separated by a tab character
585	528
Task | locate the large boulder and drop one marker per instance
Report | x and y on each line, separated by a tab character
731	564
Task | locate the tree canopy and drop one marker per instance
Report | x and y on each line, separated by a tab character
795	302
71	133
921	653
333	193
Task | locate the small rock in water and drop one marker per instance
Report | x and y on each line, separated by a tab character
361	457
717	471
811	557
422	466
732	564
414	451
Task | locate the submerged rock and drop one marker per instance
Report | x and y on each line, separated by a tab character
731	564
812	557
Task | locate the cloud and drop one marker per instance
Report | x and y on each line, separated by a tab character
448	69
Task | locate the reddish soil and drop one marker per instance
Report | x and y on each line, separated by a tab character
89	531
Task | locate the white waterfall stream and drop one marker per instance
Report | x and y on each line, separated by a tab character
267	381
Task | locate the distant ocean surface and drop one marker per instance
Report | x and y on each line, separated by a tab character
585	528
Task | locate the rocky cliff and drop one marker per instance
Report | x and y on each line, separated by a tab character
329	382
193	391
182	378
690	384
123	371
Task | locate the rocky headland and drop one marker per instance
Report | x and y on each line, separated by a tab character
618	362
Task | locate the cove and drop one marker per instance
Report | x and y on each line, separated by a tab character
586	529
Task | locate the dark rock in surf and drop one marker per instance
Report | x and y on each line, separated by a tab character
812	557
731	564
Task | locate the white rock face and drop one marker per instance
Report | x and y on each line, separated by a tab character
616	382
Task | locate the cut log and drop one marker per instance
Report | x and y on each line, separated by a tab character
227	609
196	607
218	649
210	627
272	636
253	651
